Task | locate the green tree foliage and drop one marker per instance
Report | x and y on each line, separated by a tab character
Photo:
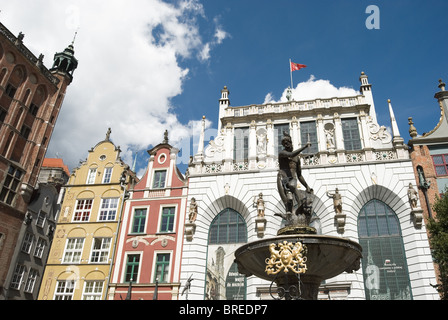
438	229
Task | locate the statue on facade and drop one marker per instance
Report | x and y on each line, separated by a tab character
193	211
329	136
109	131
190	225
259	204
413	196
261	142
337	200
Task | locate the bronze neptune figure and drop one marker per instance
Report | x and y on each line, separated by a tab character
289	174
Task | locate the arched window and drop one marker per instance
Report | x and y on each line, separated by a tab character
384	263
223	281
228	227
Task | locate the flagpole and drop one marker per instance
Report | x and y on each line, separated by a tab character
290	72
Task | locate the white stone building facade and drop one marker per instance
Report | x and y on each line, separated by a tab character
350	154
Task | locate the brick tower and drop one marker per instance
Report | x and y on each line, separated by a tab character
30	100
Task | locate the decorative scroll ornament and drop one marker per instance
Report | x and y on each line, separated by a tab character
288	257
378	132
215	147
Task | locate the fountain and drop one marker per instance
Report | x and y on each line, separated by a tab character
297	260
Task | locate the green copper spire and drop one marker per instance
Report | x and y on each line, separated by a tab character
66	61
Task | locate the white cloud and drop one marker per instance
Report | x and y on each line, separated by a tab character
220	33
269	98
205	52
128	69
312	89
218	38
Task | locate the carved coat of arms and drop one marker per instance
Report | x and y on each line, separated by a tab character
286	257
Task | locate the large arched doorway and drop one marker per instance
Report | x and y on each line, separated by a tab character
227	232
384	265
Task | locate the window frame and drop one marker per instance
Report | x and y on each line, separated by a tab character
92	294
25	131
17	277
165	267
82	214
444	165
379	231
11	185
30	282
133	265
75	253
3	114
217	224
134	217
10	90
98	253
107	175
157	181
352	131
104	213
170	216
33	109
67	291
40	247
27	243
241	144
309	128
40	222
91	175
278	133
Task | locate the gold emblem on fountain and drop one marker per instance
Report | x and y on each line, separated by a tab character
286	256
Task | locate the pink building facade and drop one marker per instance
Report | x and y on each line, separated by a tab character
148	253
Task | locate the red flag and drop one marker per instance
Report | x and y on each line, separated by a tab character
297	66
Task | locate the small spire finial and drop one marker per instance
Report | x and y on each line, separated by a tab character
165	137
74	37
441	85
412	129
395	131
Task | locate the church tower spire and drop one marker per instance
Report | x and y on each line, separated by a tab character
65	62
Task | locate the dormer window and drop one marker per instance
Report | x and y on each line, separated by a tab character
159	179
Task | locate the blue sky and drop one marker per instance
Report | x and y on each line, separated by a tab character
404	58
150	65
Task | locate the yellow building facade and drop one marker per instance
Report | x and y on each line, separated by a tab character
81	256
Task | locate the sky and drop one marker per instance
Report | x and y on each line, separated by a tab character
146	66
